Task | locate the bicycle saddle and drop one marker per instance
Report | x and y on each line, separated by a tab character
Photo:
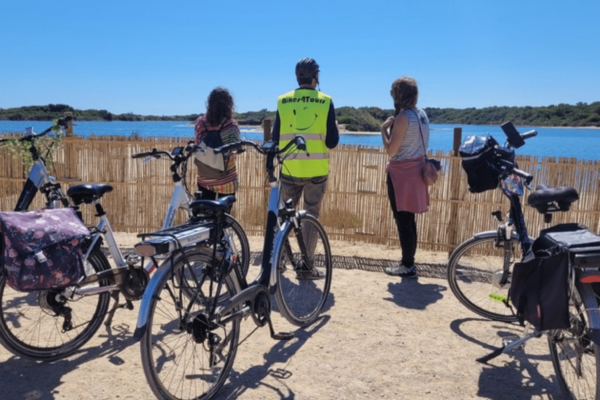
548	199
86	193
213	206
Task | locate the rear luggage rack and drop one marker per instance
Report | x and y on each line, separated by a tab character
166	241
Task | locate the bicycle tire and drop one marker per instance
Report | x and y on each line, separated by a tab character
240	241
474	273
575	357
301	300
32	329
176	362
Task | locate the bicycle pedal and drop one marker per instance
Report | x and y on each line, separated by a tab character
283	336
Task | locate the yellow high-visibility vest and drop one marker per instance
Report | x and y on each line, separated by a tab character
303	112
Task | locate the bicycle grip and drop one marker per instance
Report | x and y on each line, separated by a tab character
529	134
140	155
144	154
528	177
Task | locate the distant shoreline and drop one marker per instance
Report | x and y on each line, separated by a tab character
258	128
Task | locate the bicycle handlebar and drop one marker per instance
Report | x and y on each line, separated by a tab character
62	122
154	153
505	155
237	147
270	149
178	153
264	148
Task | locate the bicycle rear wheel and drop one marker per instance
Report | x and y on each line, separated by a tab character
574	356
48	325
182	358
304	271
239	242
475	272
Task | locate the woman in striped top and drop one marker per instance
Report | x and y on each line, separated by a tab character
405	138
216	128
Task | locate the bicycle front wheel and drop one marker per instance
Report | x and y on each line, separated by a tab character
304	267
574	355
47	325
182	357
479	274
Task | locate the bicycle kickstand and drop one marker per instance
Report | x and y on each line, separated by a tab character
506	348
279	335
128	305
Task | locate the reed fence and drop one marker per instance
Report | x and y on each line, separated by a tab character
355	209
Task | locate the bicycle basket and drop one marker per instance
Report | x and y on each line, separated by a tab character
478	161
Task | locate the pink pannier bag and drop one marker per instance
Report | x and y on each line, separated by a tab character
42	249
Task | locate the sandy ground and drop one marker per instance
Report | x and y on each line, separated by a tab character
380	337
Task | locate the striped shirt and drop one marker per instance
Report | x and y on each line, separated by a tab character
230	133
412	144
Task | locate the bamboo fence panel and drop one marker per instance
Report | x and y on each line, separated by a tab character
356	207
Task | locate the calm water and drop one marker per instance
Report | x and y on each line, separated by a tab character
556	142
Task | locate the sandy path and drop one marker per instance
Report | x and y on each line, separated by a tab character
380	338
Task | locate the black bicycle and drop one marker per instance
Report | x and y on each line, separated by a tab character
481	271
189	321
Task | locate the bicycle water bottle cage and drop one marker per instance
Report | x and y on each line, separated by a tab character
547	200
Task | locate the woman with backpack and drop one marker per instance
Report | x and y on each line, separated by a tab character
214	129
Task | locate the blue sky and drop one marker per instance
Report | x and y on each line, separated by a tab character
164	57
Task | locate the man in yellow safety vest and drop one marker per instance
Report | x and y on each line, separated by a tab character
308	113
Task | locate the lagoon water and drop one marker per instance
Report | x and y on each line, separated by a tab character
581	143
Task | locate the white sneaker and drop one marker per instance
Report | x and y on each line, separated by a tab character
402	271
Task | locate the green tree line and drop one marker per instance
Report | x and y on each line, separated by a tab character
367	119
52	111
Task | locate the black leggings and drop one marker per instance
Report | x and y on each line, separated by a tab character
407	228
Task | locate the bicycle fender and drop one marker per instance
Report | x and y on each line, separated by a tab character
492	234
276	249
590	302
145	303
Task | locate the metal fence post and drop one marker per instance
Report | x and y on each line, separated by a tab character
454	191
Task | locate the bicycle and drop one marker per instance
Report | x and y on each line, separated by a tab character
189	321
181	198
52	324
480	273
39	179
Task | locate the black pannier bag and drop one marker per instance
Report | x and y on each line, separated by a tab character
539	290
477	154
